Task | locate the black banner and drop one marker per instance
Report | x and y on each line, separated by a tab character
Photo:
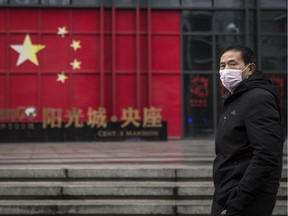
34	132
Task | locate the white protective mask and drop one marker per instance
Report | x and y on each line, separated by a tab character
230	78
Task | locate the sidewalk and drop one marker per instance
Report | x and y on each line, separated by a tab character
112	178
172	152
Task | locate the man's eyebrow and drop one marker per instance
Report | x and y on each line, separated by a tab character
229	61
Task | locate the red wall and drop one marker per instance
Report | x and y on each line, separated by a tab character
129	58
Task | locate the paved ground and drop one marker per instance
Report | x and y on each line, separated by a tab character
176	152
172	152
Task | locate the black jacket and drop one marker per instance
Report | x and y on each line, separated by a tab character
249	145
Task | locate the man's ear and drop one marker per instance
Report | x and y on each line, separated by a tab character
252	68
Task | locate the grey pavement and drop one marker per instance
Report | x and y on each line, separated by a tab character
172	152
102	178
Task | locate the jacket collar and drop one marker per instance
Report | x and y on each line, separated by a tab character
256	80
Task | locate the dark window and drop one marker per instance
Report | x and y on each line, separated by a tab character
273	4
274	53
24	2
227	4
275	21
164	3
229	22
197	21
125	3
86	2
197	53
198	97
196	3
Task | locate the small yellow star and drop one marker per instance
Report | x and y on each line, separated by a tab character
62	77
75	45
76	64
27	51
62	31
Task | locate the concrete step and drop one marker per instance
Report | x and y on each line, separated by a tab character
114	207
111	172
112	190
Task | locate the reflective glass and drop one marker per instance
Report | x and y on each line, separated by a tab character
86	2
196	21
197	52
143	3
273	4
164	3
196	3
229	22
55	2
274	53
275	21
107	3
228	3
3	1
198	104
23	1
252	42
252	4
252	23
125	3
280	81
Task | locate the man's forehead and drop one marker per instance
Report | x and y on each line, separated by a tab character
231	55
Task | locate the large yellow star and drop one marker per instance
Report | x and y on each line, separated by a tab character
76	64
27	51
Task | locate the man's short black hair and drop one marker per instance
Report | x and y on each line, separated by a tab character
247	54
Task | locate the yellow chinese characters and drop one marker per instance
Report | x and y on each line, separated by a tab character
152	117
74	117
97	117
52	117
130	116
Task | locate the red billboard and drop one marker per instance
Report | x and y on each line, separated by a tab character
70	61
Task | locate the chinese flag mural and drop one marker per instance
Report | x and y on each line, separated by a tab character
70	65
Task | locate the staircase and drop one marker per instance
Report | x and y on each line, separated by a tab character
112	190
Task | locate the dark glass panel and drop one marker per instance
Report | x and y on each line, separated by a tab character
164	3
86	2
125	3
273	4
197	53
229	22
3	1
198	105
196	3
274	22
24	2
280	81
274	53
196	21
228	4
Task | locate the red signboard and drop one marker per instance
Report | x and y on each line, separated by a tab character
81	58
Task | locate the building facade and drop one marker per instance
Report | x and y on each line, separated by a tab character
92	61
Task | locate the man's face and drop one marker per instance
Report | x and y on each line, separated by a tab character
232	59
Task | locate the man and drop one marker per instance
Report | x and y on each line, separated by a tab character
249	140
